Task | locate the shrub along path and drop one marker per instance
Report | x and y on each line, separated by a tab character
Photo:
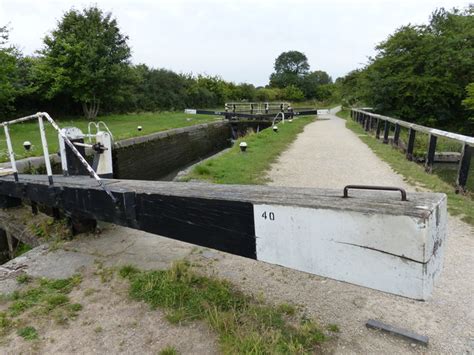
329	155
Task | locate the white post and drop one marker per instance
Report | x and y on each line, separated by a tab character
11	153
44	142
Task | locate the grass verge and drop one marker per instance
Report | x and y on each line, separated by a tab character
458	205
235	167
41	298
121	126
243	324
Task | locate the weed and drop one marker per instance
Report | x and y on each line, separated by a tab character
23	279
127	271
51	230
98	329
333	328
286	308
244	324
5	323
105	274
89	292
169	350
44	297
21	249
28	333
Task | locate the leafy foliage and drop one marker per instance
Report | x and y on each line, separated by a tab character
420	72
86	56
293	76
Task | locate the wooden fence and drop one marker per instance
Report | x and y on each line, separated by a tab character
378	123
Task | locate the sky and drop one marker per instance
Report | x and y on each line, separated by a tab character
237	40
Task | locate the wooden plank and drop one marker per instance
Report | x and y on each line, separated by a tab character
312	230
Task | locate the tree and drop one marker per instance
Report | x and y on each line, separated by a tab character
293	93
9	74
312	81
420	72
290	67
86	57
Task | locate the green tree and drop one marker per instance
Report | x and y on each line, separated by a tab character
86	57
293	93
420	72
468	102
9	74
312	81
290	67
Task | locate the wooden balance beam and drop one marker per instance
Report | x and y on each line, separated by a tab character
370	238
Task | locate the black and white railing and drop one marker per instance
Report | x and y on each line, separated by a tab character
384	124
40	116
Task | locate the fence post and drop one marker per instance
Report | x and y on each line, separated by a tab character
396	135
464	165
386	130
431	153
411	143
44	143
11	154
368	121
379	127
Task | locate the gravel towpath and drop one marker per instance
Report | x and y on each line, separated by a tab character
329	155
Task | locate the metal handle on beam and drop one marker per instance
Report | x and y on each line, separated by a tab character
377	188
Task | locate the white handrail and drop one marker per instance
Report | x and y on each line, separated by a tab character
40	116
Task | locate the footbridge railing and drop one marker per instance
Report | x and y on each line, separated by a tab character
384	125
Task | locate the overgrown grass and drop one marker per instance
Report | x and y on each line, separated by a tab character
169	350
21	249
235	167
41	298
461	205
28	333
121	126
243	324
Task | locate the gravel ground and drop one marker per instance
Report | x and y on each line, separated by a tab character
328	155
111	323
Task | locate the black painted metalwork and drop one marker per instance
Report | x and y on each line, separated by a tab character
376	188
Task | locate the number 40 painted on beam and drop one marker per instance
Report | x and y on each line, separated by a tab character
269	215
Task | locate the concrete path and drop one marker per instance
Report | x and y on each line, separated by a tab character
328	155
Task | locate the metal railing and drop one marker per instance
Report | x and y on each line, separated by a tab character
372	121
40	116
